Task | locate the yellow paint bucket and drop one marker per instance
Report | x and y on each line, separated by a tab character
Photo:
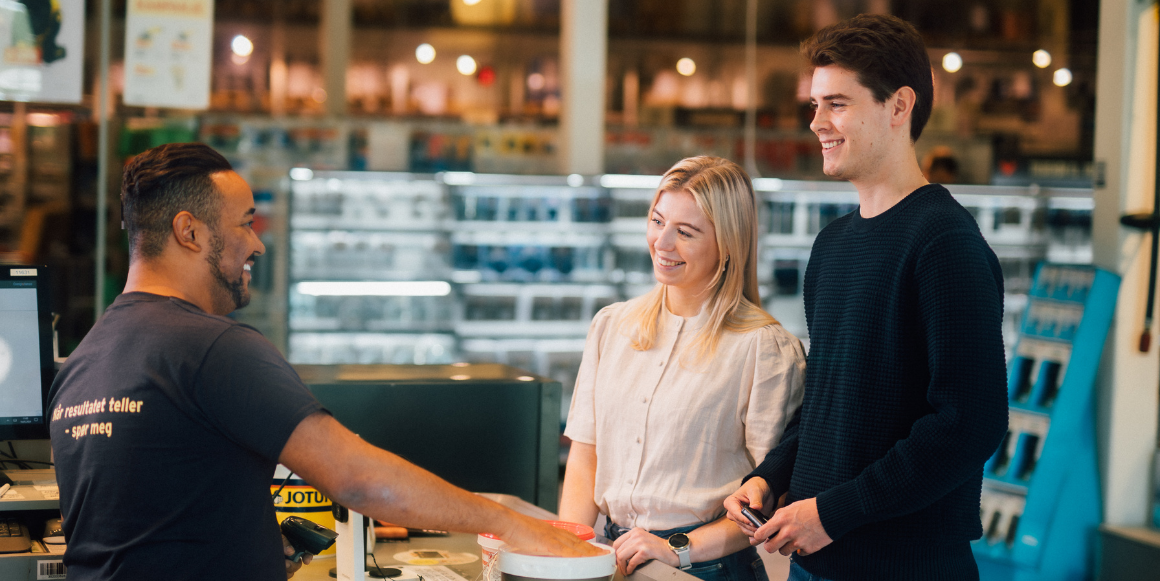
300	499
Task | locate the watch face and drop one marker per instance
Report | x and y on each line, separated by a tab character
679	541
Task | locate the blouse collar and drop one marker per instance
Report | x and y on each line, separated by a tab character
669	320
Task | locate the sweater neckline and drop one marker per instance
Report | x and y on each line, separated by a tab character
860	224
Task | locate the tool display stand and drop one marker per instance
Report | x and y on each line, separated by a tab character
1041	499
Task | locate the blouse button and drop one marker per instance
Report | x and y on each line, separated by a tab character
638	440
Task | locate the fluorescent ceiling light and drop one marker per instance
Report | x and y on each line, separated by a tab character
630	181
465	65
242	46
425	53
767	184
415	288
952	62
458	178
1041	58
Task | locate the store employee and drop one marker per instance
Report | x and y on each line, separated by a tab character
168	419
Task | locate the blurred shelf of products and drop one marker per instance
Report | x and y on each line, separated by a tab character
392	267
675	82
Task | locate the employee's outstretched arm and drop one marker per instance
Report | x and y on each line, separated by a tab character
382	485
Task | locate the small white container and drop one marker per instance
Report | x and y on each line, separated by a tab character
490	546
520	567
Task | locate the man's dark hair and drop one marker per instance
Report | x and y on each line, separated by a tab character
885	52
166	180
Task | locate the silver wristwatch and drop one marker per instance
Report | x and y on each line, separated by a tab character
679	543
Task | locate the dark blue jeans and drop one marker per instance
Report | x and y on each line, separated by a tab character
796	573
744	565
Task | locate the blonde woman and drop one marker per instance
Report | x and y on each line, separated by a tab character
681	390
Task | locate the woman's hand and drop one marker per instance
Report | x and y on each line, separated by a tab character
638	546
754	494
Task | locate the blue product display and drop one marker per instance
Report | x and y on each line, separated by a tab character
1041	500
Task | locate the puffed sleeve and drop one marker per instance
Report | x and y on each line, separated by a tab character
581	425
776	393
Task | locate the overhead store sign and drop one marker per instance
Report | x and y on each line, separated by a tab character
168	51
42	44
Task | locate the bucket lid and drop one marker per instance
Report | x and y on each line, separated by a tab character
489	541
584	532
544	567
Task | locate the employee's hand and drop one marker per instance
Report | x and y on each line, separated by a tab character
289	550
638	546
754	494
537	537
795	528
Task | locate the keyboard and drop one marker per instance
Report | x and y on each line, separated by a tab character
14	536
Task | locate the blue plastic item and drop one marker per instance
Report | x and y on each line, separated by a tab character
1041	500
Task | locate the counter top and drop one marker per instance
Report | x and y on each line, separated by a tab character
466	543
32	490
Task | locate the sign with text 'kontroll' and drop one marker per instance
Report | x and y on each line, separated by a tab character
168	52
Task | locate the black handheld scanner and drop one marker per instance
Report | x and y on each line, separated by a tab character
306	536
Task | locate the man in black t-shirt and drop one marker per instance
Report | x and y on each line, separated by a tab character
168	419
905	394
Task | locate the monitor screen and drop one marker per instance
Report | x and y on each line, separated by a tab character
25	352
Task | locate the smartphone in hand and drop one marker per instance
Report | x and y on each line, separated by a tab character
754	516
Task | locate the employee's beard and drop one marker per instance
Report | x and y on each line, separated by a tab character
232	294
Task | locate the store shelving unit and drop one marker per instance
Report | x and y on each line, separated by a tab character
1041	499
368	227
35	176
526	261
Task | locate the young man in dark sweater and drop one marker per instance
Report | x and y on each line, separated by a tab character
905	394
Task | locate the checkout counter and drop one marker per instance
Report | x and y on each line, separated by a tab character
483	427
384	552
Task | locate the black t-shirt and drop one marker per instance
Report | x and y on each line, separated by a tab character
167	423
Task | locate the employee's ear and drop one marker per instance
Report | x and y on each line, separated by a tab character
188	231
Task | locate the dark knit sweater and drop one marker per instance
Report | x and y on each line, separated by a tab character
905	394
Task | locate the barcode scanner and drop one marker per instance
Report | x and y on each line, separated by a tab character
306	537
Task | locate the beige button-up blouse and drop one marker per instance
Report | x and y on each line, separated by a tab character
673	441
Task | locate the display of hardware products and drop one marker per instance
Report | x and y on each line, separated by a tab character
1040	488
512	269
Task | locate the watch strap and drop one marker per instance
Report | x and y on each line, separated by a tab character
683	553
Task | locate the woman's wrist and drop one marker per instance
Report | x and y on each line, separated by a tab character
716	540
670	557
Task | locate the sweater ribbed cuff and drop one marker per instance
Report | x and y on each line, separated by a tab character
840	509
777	486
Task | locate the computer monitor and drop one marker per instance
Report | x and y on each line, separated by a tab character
484	427
26	370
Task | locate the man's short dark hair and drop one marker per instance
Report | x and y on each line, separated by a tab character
166	180
886	53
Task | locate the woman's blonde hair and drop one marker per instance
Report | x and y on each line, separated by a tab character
722	191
